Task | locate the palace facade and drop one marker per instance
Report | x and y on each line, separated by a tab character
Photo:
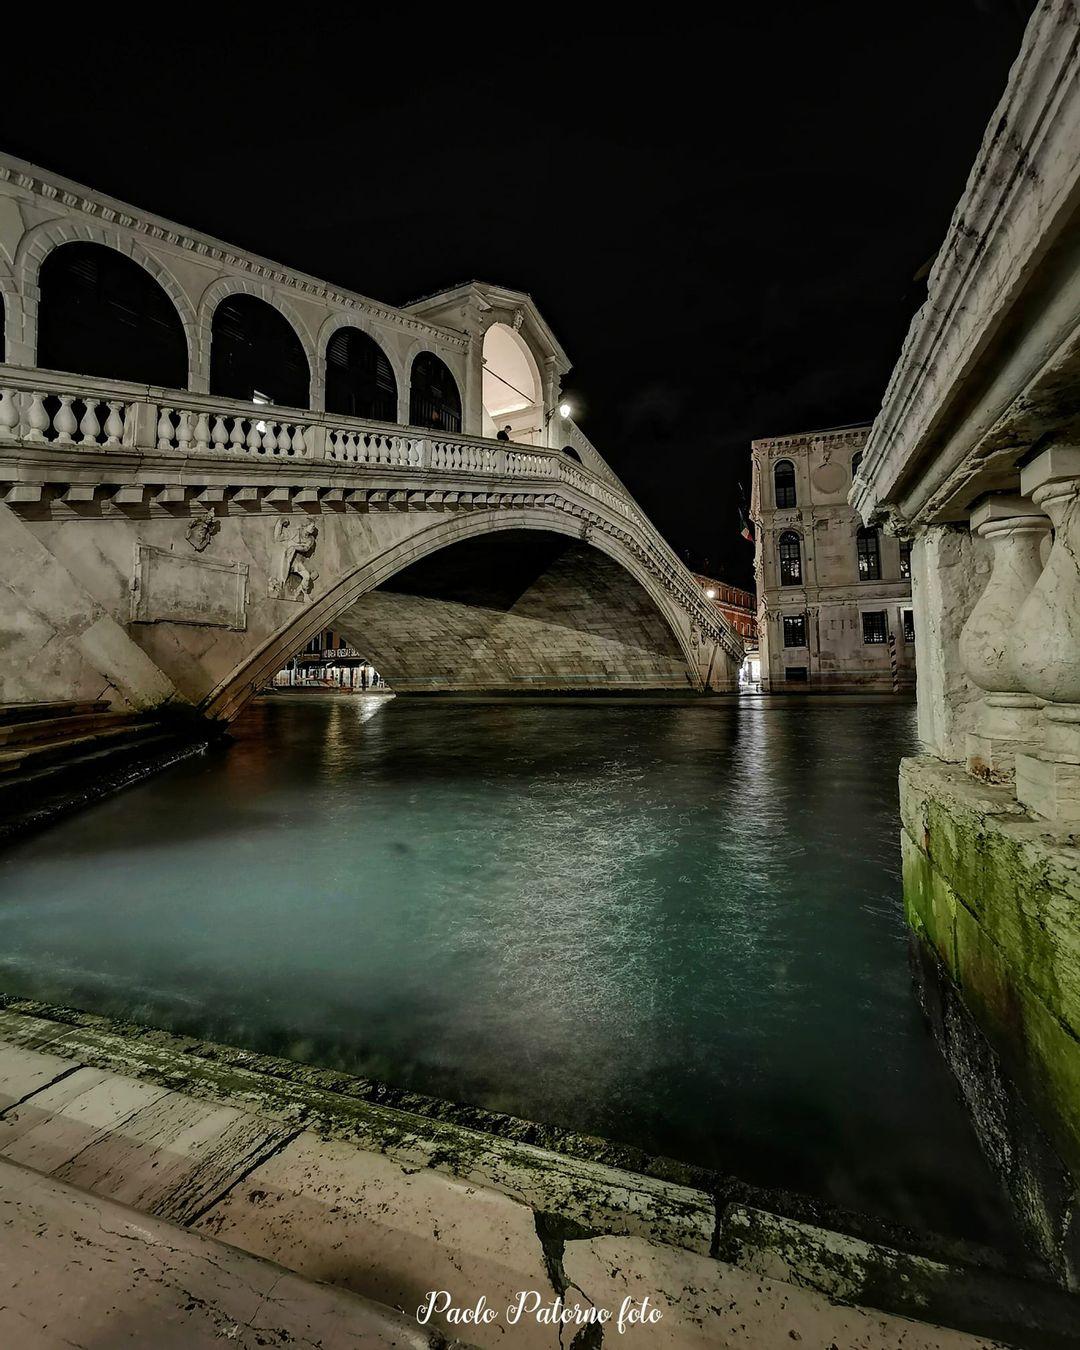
833	597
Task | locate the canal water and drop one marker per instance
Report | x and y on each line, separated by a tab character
677	925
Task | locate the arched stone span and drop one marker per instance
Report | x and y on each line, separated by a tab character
515	610
39	242
685	665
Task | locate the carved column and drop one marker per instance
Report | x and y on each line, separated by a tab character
1045	645
1007	719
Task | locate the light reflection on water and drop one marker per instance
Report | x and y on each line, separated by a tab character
676	925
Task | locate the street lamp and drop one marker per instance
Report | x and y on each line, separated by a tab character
710	592
564	410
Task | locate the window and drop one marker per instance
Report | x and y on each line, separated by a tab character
794	630
869	555
784	484
905	559
790	559
909	625
795	673
874	626
856	460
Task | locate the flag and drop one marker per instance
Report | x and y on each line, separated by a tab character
747	530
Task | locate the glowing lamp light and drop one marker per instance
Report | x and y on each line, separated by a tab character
565	410
710	592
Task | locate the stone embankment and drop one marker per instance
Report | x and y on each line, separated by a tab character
315	1172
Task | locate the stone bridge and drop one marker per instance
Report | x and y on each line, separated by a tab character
165	547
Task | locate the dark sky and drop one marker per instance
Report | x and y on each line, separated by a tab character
721	219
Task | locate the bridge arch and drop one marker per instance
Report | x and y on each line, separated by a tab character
38	243
512	388
228	699
101	314
256	354
224	289
359	379
391	349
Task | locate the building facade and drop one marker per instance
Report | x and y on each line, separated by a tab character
833	597
739	607
329	661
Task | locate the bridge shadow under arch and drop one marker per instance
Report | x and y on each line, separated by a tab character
483	603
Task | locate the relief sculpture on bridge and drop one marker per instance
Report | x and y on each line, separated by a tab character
202	528
296	544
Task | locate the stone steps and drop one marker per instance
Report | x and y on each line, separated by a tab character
53	744
13	713
56	757
29	730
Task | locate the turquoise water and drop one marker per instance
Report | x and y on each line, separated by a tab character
676	925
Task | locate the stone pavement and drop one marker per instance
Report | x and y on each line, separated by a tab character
216	1154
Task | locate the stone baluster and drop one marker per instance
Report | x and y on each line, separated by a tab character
9	415
37	417
237	439
254	436
1008	715
114	423
65	422
1045	644
165	429
219	433
183	429
89	424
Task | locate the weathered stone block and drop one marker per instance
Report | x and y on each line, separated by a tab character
1049	789
997	898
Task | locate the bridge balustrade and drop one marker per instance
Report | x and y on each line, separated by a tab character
49	409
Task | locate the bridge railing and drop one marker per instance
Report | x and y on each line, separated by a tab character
52	409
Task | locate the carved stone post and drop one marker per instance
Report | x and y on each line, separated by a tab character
1008	714
1045	644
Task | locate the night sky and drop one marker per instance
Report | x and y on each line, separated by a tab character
722	222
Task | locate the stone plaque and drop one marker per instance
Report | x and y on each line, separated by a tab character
181	588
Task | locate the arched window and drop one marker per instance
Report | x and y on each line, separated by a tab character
102	314
784	484
790	559
866	542
434	400
856	460
255	354
359	377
